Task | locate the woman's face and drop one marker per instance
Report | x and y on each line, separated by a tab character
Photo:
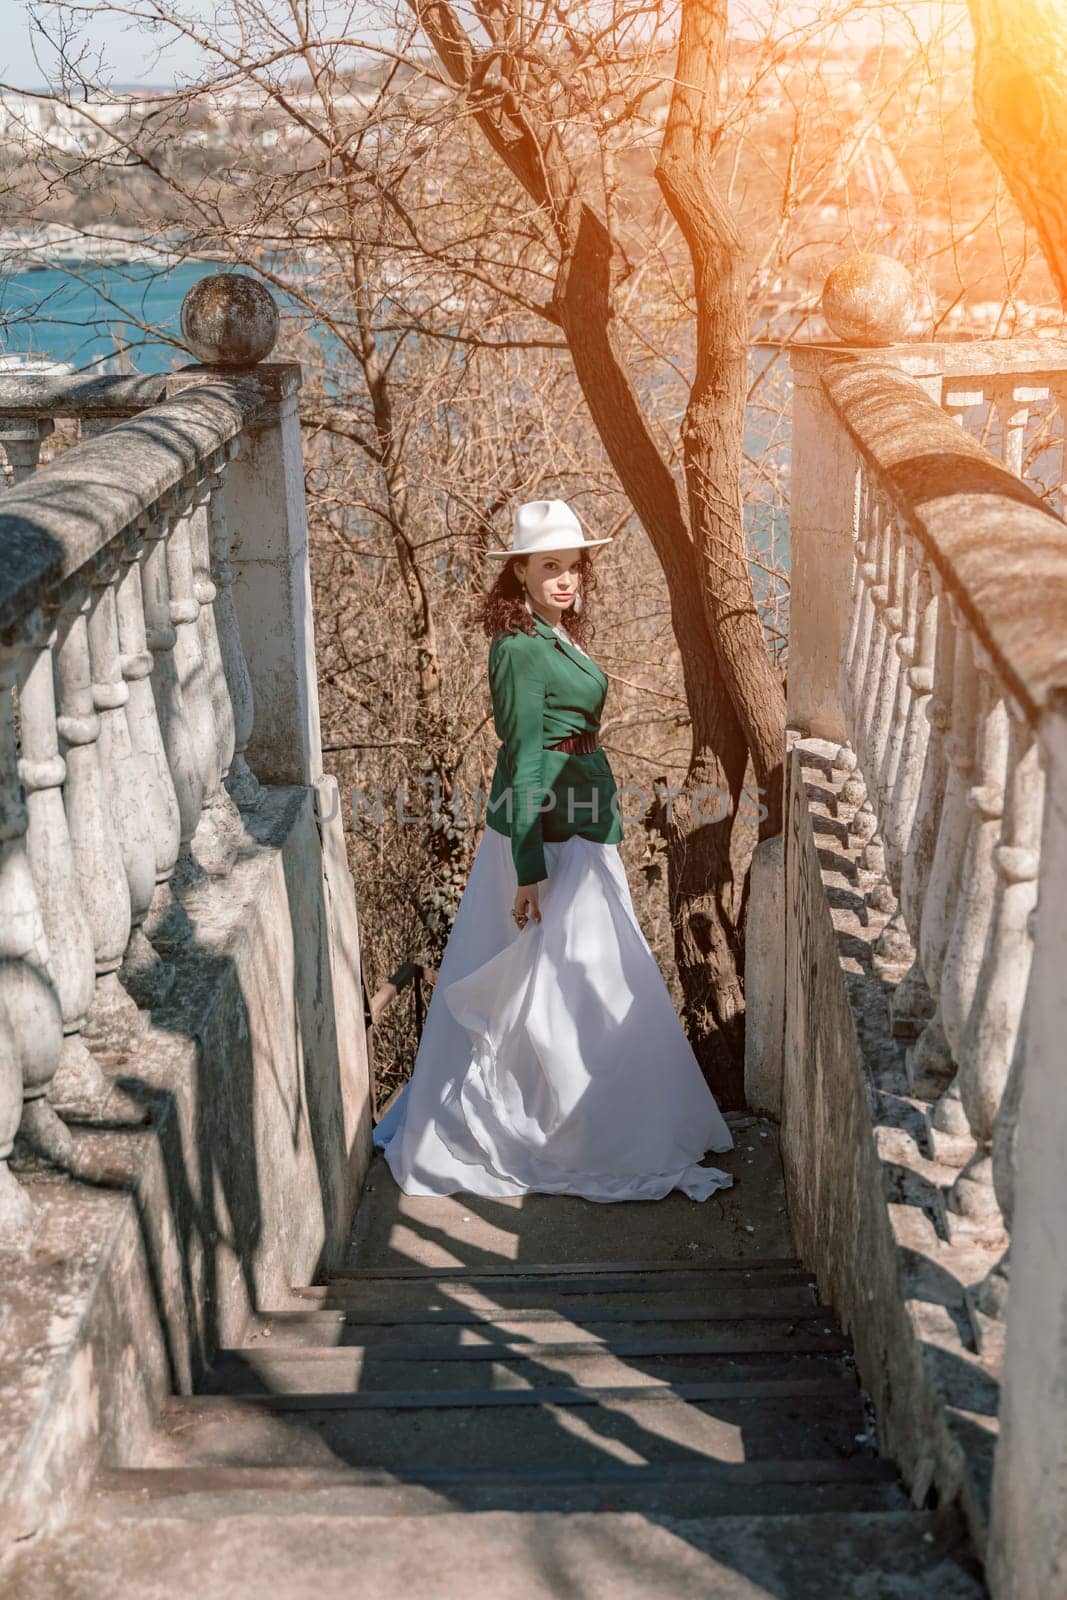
553	578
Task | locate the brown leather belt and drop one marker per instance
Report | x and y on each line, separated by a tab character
577	744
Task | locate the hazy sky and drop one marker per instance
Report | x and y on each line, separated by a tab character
134	56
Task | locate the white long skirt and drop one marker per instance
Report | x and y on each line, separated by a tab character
552	1059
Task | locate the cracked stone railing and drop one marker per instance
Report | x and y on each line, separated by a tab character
129	708
930	640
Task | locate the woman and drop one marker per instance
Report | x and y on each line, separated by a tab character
552	1059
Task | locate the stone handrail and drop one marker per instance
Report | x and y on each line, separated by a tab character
30	403
51	528
930	640
988	536
44	396
980	359
127	701
1009	393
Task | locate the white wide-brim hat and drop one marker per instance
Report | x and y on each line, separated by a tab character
542	525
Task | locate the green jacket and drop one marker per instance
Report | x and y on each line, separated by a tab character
544	689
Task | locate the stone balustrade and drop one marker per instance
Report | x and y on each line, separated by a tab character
927	675
127	712
954	640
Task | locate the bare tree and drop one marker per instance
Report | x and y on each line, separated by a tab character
476	331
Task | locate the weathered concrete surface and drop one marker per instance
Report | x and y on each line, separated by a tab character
765	978
865	1203
263	493
746	1221
34	394
224	1171
1028	1554
504	1556
823	505
750	1489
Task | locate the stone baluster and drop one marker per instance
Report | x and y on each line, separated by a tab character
1056	497
170	707
915	648
873	722
78	1080
875	573
862	672
962	395
27	992
241	782
1014	402
124	783
895	950
885	697
16	1211
860	613
114	1024
136	660
21	439
992	1026
219	829
974	899
987	1301
1014	417
206	594
897	787
853	791
920	786
931	1061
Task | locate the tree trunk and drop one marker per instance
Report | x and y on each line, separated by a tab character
708	946
1020	96
713	434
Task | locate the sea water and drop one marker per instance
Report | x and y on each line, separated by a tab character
85	314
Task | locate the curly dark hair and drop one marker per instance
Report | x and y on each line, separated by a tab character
504	609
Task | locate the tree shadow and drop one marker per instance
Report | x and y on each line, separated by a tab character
535	1441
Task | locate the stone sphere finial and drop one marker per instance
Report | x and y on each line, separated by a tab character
870	300
230	320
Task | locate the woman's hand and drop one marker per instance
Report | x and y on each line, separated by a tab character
526	898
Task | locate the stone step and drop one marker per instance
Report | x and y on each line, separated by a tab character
488	1343
271	1368
750	1221
567	1426
698	1296
545	1325
677	1489
497	1555
505	1271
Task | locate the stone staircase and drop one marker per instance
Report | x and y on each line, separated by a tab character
472	1409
